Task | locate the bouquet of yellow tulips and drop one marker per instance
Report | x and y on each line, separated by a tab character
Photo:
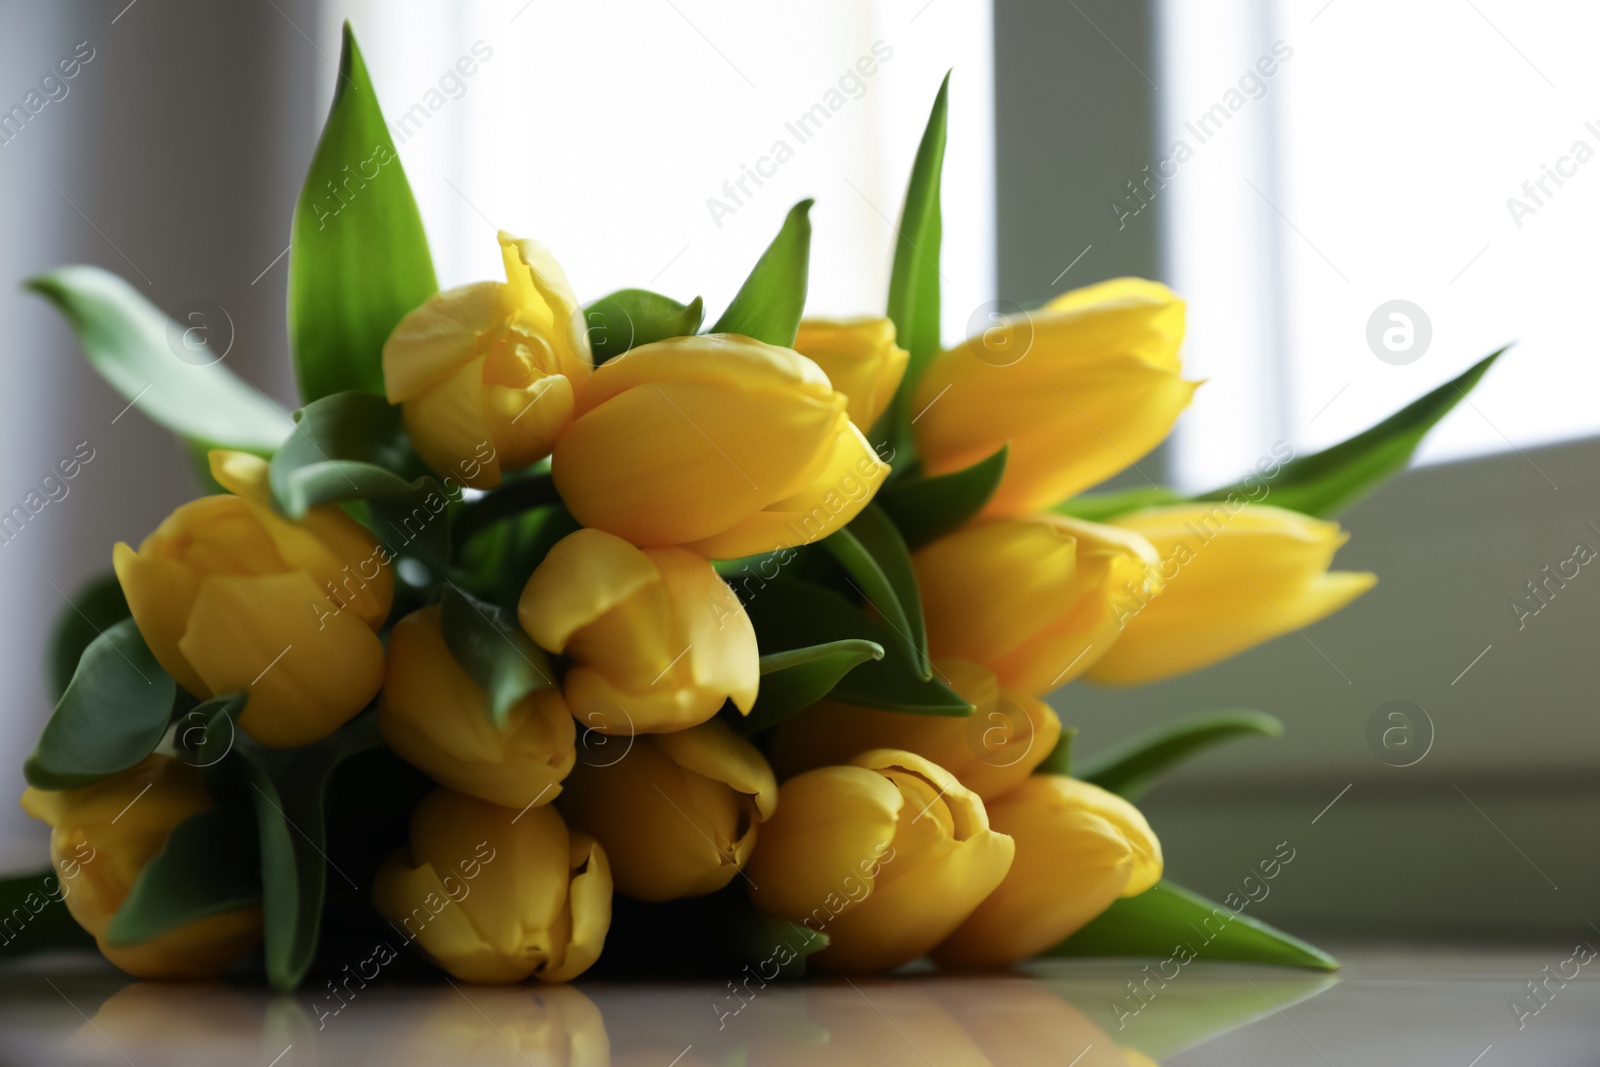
549	633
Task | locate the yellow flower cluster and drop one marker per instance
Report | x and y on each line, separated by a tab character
895	835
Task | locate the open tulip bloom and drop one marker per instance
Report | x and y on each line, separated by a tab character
582	636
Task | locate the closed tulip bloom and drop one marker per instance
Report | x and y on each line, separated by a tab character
656	638
678	813
101	837
886	855
435	717
493	895
1081	388
1236	575
230	595
486	373
719	443
1031	598
1007	735
1078	849
860	358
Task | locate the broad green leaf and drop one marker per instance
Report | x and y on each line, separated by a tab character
1103	507
287	787
358	259
1164	919
913	303
1329	481
496	563
875	556
769	303
925	509
493	650
36	918
800	677
346	446
1130	768
130	342
629	318
1060	759
112	715
209	865
94	607
790	614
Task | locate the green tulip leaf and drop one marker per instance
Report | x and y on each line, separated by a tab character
92	609
769	303
1060	759
1166	919
287	787
112	715
514	497
878	562
790	614
209	865
358	259
798	678
1130	768
927	508
1103	507
1327	482
496	562
914	279
629	318
493	650
135	348
36	916
345	446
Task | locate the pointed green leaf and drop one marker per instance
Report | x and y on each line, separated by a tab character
209	865
1329	481
629	318
346	446
1157	922
92	609
798	678
790	614
874	554
514	497
1130	768
1103	507
113	714
768	305
492	648
128	340
925	509
358	259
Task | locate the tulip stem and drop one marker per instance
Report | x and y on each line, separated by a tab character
513	498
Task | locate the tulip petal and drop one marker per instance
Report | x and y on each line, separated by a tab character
585	575
716	752
408	896
432	342
721	641
309	668
448	427
588	910
526	421
860	358
546	303
161	594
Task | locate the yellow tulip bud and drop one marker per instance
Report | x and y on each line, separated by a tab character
719	443
101	837
860	358
1006	737
435	717
657	639
231	595
1078	848
1031	598
1081	388
487	372
677	814
885	855
1236	575
495	895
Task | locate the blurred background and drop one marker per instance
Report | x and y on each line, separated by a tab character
1292	168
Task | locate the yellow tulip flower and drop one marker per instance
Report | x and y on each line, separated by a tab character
495	895
101	837
487	372
1078	848
231	595
657	639
886	855
1236	575
678	813
860	358
1081	388
1031	598
718	443
435	717
1006	737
